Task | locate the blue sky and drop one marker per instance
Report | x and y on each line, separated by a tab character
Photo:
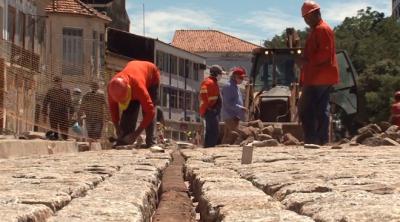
251	20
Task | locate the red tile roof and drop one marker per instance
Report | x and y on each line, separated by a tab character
74	7
210	41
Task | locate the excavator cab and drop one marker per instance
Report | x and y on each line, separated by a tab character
274	91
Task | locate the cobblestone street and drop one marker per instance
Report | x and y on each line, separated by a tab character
90	186
296	184
282	184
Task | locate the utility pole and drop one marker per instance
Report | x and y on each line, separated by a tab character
144	23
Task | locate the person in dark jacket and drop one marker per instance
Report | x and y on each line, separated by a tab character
57	106
93	109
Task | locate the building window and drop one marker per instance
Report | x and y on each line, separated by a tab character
173	65
195	105
166	66
196	70
41	24
11	24
1	22
159	60
188	101
102	51
189	69
21	29
164	96
173	98
181	99
30	29
72	51
95	57
181	67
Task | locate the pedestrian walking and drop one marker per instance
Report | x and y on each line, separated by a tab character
134	87
92	110
57	106
210	105
319	72
232	105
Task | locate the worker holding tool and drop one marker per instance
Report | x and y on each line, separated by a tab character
134	87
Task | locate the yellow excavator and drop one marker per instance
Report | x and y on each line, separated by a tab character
273	91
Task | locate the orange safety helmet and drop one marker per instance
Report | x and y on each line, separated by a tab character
118	89
397	96
308	7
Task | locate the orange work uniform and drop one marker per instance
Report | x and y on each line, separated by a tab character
209	95
396	114
321	66
140	75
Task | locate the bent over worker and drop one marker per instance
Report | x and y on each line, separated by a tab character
319	72
136	85
232	104
210	105
395	111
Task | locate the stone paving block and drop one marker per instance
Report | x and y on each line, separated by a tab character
346	206
24	212
265	215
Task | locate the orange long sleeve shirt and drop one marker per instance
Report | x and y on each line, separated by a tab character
209	94
396	114
140	75
320	53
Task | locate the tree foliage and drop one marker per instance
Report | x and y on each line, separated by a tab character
373	43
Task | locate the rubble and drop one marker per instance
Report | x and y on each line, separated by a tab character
377	135
289	140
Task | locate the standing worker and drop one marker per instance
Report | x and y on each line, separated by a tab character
136	85
319	72
210	105
395	115
232	104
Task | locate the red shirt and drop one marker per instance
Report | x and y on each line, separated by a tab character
140	75
396	114
321	65
209	94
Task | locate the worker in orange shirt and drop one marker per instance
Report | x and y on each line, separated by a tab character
395	114
210	105
319	72
136	85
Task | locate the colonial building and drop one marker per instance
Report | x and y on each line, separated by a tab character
115	9
22	25
76	40
181	75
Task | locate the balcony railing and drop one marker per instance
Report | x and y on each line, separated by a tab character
17	55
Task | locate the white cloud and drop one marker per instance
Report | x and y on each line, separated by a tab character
336	12
273	22
162	24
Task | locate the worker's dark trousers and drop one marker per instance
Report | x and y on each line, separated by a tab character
212	128
130	115
315	115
